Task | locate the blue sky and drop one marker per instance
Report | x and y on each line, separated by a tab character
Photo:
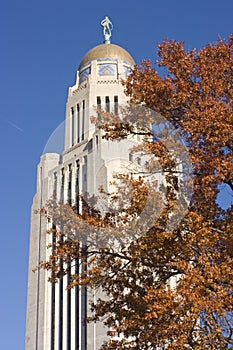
41	45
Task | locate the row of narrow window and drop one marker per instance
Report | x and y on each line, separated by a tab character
69	195
80	327
80	308
105	104
78	112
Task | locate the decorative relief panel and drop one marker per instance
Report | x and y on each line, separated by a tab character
108	82
107	69
127	70
84	74
106	59
79	88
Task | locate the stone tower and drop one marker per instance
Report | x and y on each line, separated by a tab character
55	316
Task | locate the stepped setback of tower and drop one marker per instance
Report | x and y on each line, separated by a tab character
55	316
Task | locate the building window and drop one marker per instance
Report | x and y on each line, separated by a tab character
60	309
55	185
77	308
78	123
77	187
52	347
98	100
60	329
84	175
72	126
84	303
68	339
107	104
97	140
115	104
62	184
83	120
69	192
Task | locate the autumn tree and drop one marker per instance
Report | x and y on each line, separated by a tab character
166	288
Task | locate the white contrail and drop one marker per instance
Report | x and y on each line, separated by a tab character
15	126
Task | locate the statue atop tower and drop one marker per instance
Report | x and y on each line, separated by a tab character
108	27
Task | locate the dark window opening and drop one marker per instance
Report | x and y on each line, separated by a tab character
62	184
53	296
60	327
68	307
98	105
107	103
77	187
78	123
69	194
115	104
55	185
84	303
77	309
83	120
72	126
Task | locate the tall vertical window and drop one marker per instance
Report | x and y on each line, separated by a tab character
68	339
60	324
76	288
83	120
69	192
97	141
77	187
84	178
98	100
62	184
78	123
72	126
77	308
60	308
84	302
115	104
55	185
107	104
52	347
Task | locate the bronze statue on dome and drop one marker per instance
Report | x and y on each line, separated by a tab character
108	27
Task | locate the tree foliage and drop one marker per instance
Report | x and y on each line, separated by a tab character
166	288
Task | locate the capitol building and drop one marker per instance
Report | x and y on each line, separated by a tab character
56	317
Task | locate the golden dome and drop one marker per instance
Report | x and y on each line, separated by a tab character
106	51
